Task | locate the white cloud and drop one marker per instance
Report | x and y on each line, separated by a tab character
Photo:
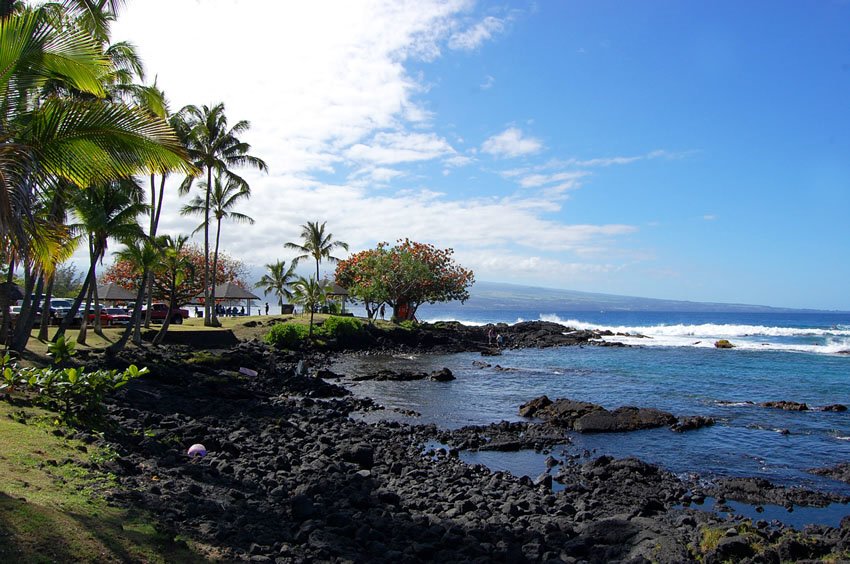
709	217
333	93
458	161
394	148
511	143
488	83
535	180
470	39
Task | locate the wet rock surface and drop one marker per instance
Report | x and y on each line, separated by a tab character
838	472
449	336
291	477
759	491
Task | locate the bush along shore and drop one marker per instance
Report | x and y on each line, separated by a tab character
289	476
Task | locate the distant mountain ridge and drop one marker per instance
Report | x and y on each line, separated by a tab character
489	295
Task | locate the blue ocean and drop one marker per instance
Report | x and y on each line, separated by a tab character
672	365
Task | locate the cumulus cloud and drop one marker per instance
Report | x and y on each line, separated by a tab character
471	38
511	143
398	147
336	111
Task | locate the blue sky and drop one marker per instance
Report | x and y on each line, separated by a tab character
676	150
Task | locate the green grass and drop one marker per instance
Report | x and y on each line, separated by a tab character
50	506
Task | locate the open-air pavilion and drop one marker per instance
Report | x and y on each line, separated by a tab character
230	292
112	293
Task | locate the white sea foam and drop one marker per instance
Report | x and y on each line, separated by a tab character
745	337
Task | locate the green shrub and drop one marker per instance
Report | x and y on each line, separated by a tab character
61	351
287	335
408	324
341	328
74	390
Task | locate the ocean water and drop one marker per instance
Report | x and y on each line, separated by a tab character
673	366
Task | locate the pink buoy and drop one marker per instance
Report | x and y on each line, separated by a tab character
197	450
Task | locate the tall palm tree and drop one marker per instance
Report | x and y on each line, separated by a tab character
309	293
81	140
212	146
56	124
222	199
277	281
176	266
316	244
104	211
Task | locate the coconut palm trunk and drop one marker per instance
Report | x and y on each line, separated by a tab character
45	310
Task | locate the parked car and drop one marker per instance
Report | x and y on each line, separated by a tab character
112	316
160	311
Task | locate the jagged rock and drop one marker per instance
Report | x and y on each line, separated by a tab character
724	344
530	408
691	423
442	375
786	405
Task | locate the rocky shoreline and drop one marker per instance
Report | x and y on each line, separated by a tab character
291	477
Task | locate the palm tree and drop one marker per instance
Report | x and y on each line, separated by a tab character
144	254
278	280
214	147
104	211
175	265
83	140
57	125
316	244
222	199
308	293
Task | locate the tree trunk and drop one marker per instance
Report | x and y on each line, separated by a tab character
5	304
137	327
172	305
215	321
84	322
45	311
98	318
156	210
75	307
135	321
25	322
207	305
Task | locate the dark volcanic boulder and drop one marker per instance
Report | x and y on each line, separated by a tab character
442	375
530	408
623	419
786	405
837	407
565	412
691	423
724	344
839	472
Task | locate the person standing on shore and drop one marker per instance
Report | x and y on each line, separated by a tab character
500	341
267	308
490	335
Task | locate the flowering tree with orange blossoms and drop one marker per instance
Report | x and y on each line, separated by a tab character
404	277
192	286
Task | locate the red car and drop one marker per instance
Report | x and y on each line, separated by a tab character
112	316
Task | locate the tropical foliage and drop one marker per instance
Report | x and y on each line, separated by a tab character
277	281
213	147
68	121
316	244
404	277
124	273
309	293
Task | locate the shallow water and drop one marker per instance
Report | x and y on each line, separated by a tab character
683	380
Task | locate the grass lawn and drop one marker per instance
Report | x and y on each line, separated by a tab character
50	507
